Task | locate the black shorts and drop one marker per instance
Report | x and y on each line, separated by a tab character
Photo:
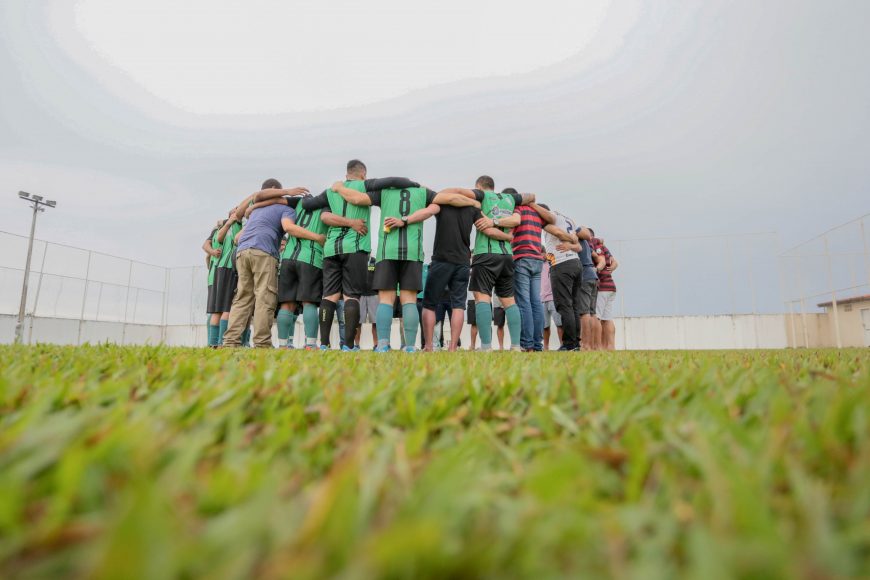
471	314
498	316
210	302
493	271
225	282
406	274
345	274
588	297
446	282
299	282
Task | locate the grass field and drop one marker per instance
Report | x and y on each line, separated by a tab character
165	463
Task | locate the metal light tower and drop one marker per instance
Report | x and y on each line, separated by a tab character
38	204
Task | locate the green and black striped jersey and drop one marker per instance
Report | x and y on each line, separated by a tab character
302	250
345	240
495	205
405	243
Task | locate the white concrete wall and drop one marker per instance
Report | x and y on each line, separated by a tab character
641	333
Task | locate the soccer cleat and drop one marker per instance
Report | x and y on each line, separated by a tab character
346	348
382	349
311	347
324	347
409	349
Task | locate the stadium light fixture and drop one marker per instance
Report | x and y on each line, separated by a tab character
38	204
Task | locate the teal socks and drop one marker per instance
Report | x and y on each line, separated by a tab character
286	321
246	337
410	322
222	328
309	318
212	335
514	324
384	321
483	313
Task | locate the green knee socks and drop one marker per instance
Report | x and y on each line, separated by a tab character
483	313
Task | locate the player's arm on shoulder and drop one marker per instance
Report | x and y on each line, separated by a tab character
469	193
560	233
351	196
546	215
389	183
313	203
445	197
222	233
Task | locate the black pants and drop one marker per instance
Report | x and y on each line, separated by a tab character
565	278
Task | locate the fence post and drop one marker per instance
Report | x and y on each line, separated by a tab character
163	313
839	340
866	251
36	298
675	263
84	298
126	304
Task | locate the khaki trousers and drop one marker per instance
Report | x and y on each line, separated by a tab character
257	292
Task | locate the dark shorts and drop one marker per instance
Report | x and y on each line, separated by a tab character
346	274
446	282
210	302
588	297
498	316
406	274
299	282
471	314
493	272
225	282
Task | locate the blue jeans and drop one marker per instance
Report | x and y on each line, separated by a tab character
527	290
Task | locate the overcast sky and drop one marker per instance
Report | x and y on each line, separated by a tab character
146	121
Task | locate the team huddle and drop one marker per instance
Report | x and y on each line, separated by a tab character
283	252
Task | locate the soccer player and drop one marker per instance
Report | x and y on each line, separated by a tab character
400	250
493	264
212	254
257	263
560	241
300	279
225	278
528	263
450	271
347	248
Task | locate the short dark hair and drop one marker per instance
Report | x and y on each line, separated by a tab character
356	166
486	182
591	231
509	190
271	183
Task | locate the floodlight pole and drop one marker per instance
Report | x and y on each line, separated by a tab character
37	202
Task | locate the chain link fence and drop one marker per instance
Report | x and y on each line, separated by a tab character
824	277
